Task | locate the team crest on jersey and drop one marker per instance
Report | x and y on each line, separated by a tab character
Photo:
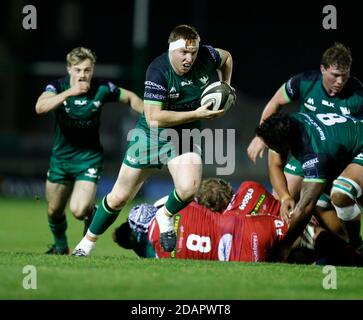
186	83
204	79
344	110
92	173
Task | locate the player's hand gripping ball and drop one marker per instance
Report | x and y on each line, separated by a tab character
221	94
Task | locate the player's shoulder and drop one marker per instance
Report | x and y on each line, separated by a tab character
207	51
161	63
309	75
57	85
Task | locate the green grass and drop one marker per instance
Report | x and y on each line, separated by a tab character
113	273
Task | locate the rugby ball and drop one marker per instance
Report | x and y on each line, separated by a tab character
220	94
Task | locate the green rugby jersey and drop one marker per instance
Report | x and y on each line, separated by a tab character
77	120
307	88
328	142
163	87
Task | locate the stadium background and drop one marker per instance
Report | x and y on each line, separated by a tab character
269	43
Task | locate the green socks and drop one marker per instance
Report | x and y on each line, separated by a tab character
58	228
174	204
103	218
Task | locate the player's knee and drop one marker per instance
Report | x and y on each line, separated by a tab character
55	212
187	191
344	192
117	201
79	211
340	199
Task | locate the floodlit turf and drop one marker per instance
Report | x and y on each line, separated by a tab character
114	273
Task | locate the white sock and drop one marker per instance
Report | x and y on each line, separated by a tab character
86	245
165	223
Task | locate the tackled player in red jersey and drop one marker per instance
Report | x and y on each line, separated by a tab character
218	225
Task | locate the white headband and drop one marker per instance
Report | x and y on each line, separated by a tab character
182	43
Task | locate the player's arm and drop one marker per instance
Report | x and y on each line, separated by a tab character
157	117
300	217
132	99
276	164
280	99
226	66
49	100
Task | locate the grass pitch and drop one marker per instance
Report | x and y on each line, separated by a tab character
113	273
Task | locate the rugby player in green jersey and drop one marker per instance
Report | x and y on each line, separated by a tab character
329	147
76	162
173	86
329	89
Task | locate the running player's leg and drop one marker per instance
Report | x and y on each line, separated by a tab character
186	171
82	199
347	188
57	196
82	203
128	183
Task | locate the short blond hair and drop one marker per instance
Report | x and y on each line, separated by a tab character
79	54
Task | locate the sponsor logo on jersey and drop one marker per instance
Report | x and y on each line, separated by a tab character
254	246
246	199
80	102
290	167
131	159
153	85
310	101
67	109
224	247
260	201
344	110
173	94
177	218
231	203
327	103
112	87
51	88
310	163
309	106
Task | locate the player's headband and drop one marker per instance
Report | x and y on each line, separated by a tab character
182	43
